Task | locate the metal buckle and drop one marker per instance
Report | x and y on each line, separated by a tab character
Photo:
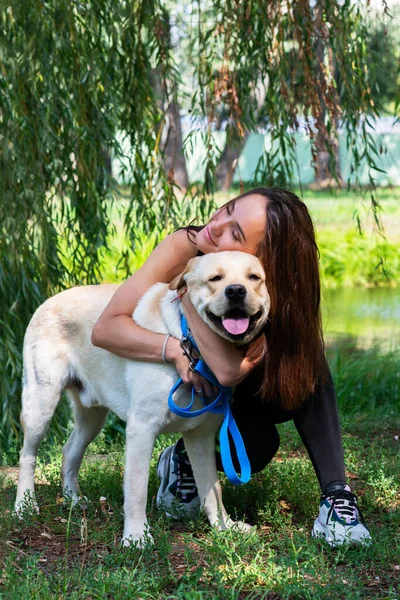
187	348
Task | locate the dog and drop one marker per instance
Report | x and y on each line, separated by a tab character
228	291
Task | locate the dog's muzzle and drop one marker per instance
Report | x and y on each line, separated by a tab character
236	321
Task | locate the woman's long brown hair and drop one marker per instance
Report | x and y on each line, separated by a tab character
293	348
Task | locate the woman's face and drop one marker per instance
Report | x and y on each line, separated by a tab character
238	226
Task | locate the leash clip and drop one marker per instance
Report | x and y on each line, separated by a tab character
187	348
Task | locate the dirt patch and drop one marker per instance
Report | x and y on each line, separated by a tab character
51	549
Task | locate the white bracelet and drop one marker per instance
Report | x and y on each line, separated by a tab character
165	347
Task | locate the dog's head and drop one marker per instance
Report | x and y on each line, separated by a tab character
228	291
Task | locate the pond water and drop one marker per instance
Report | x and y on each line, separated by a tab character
362	317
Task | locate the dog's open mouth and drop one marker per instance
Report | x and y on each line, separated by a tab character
235	321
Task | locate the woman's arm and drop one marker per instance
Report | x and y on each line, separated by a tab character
115	330
228	363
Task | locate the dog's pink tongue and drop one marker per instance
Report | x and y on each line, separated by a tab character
236	326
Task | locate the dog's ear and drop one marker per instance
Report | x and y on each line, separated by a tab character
179	280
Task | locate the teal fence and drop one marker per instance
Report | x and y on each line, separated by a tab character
386	138
257	144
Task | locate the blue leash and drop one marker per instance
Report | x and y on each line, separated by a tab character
221	405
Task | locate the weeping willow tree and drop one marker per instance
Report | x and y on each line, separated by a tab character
77	79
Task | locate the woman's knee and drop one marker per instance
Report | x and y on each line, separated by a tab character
263	449
261	446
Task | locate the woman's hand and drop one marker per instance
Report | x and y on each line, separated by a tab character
173	353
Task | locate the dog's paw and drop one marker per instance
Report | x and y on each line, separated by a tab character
26	506
138	541
69	499
236	525
241	526
72	496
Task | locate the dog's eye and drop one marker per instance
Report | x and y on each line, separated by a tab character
254	277
216	278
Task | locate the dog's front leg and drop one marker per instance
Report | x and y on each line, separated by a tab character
200	446
140	438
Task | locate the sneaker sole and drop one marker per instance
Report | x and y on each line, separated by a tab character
319	531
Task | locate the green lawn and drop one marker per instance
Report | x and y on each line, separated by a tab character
77	554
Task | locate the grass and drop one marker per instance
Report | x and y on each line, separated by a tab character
76	554
350	258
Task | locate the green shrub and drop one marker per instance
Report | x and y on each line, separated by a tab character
350	260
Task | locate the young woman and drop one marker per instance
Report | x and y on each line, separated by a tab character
282	375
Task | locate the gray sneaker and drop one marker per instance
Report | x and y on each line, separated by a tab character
340	521
177	494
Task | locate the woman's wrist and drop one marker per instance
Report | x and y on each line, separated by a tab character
172	350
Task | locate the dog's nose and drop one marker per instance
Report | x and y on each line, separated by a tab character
235	292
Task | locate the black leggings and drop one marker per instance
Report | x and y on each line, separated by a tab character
317	423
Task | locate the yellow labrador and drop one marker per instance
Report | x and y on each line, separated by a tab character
228	291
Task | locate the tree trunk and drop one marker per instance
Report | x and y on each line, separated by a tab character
228	161
327	167
171	135
174	159
236	137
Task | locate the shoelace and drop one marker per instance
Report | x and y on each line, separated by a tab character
345	504
186	485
